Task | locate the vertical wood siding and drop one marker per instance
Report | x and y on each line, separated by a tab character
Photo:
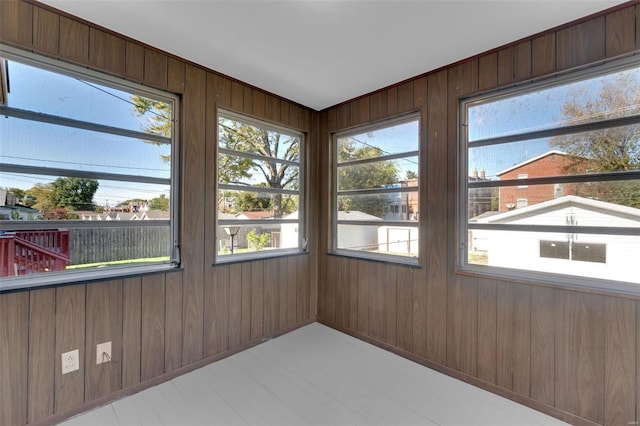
569	353
156	323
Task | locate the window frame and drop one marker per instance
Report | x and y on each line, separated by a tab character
301	227
464	224
103	79
335	193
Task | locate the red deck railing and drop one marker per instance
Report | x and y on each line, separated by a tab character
28	252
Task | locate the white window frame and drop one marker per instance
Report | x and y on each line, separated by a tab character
302	213
69	276
385	257
464	225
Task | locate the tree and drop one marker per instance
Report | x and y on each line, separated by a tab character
158	118
74	193
249	201
363	176
411	175
159	203
605	150
273	146
41	197
258	241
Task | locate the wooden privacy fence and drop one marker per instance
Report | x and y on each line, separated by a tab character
94	245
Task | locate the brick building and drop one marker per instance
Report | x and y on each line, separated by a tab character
551	163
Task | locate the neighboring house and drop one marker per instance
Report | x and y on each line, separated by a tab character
356	236
117	215
479	198
398	239
402	205
11	210
551	163
289	232
599	256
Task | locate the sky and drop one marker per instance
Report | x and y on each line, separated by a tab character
38	144
537	110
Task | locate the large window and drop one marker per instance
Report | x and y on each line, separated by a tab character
86	174
260	206
558	197
376	191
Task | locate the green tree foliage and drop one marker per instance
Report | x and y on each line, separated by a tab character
249	201
157	117
159	203
41	197
605	150
74	193
411	175
276	174
63	193
258	241
364	176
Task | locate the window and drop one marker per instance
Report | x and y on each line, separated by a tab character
260	202
87	182
579	138
376	191
572	250
523	176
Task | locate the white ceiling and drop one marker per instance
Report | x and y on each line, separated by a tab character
320	53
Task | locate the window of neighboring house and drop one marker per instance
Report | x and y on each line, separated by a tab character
88	174
260	192
376	191
522	202
523	176
572	250
581	133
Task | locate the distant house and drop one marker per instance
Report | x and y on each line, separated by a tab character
599	256
479	200
11	210
356	236
402	205
289	232
551	163
398	239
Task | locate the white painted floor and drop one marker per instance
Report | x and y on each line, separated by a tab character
314	376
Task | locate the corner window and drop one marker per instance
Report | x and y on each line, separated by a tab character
259	204
561	163
377	191
87	182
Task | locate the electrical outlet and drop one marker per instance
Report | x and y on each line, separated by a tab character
103	352
70	361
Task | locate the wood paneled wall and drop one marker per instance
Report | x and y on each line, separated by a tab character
569	353
159	324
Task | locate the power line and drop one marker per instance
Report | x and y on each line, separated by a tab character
122	99
83	164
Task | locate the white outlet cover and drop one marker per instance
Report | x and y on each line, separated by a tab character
70	361
101	350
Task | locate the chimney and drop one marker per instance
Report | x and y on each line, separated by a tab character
482	174
475	173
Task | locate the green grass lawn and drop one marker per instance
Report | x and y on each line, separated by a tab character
119	262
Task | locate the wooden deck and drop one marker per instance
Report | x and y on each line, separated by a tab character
314	376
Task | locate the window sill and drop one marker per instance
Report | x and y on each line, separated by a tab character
27	282
252	256
375	257
564	282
